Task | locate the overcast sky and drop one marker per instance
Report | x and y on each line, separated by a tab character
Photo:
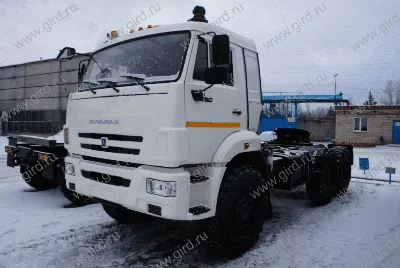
321	41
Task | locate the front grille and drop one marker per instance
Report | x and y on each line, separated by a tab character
106	178
110	149
110	162
111	137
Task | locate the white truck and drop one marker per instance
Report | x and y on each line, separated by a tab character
181	141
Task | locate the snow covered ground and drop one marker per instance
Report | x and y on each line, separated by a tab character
380	157
360	229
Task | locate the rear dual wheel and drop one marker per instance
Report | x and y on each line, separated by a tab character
333	180
344	167
35	179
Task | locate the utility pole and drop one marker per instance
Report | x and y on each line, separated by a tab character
335	82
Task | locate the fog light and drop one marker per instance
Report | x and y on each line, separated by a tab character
162	188
69	169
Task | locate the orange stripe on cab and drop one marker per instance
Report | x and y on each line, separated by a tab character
213	124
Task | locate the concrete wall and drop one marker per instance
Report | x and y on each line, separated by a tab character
380	124
319	128
36	86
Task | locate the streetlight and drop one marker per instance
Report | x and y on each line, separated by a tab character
335	82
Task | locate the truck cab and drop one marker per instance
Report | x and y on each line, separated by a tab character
165	124
139	140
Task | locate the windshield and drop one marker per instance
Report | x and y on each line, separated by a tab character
152	59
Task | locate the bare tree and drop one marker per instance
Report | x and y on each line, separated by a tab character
320	111
331	112
351	101
371	100
390	95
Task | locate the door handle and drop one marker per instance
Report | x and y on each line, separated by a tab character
236	111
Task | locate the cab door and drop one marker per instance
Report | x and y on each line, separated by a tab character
209	122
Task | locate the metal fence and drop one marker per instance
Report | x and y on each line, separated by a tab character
34	122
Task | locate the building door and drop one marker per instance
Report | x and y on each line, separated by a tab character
396	131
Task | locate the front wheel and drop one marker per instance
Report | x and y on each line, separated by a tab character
124	215
75	198
240	214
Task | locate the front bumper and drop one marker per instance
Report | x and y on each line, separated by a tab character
132	195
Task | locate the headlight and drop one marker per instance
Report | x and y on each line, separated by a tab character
69	169
163	188
66	138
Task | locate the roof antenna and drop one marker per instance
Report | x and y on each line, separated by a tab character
199	13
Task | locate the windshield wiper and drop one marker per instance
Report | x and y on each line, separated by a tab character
90	83
139	78
111	82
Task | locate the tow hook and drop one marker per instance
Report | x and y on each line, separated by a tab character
16	161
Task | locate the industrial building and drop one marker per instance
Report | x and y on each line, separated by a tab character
368	125
34	96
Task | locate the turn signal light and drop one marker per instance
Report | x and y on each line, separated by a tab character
150	26
114	34
140	28
42	156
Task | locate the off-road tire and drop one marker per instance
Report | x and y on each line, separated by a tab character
37	181
126	216
74	197
343	170
321	187
239	217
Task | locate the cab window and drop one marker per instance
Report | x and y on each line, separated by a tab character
201	61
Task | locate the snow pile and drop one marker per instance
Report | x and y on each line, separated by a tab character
59	137
267	136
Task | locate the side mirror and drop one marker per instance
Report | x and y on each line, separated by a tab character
221	49
66	54
216	75
81	72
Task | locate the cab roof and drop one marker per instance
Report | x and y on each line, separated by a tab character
187	26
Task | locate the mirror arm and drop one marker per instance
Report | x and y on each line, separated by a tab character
198	95
80	74
199	35
210	86
84	54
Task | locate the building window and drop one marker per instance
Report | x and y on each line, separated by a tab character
360	124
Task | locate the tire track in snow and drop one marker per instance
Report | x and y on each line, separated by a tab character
139	245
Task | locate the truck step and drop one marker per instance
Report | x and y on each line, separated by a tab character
198	210
197	179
